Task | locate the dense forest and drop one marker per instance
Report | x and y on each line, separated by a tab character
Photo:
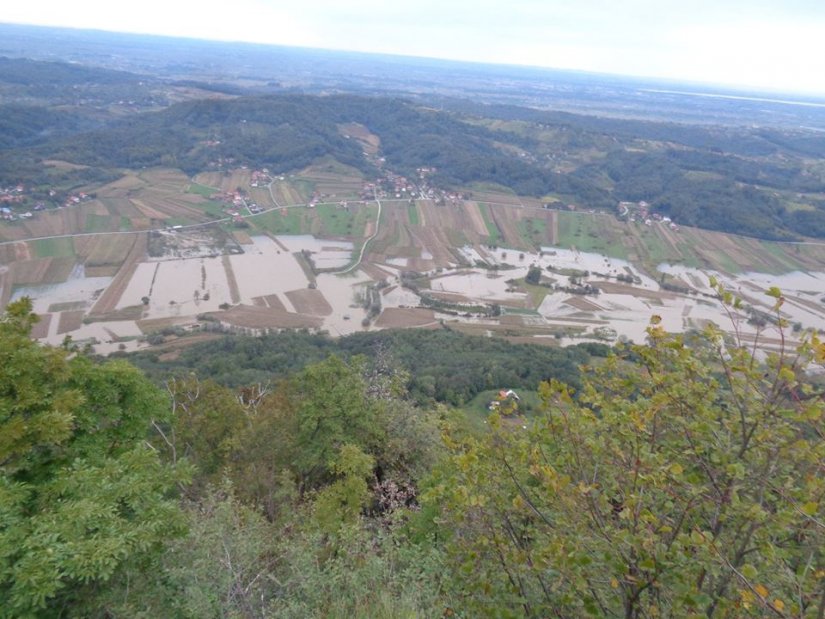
443	366
44	83
675	481
26	125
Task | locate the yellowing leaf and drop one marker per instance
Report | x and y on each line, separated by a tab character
614	583
761	590
786	374
809	509
676	468
779	604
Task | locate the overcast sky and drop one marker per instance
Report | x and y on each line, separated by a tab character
772	44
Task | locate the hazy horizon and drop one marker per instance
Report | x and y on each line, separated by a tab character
741	45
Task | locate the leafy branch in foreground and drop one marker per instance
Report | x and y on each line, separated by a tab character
688	483
81	493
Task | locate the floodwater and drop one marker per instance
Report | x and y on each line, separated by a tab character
266	269
803	291
77	288
480	284
340	292
594	263
104	332
325	254
186	287
398	262
178	287
399	297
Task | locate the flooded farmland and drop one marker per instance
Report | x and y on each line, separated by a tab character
283	281
78	289
177	287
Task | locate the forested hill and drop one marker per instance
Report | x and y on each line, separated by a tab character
735	140
291	131
69	84
443	366
756	182
26	125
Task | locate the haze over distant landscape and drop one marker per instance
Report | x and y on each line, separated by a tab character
775	46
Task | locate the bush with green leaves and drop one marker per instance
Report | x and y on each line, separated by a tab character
681	481
82	495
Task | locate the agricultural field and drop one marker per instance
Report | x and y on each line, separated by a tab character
138	201
208	183
652	245
330	180
368	141
112	270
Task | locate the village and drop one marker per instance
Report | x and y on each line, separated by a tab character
16	202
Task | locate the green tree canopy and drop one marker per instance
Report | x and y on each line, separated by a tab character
81	493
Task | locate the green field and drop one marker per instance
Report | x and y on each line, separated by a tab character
335	221
412	213
179	221
490	187
54	248
478	412
201	190
304	188
537	293
364	215
781	254
286	221
658	250
592	233
533	231
492	229
214	209
649	246
98	223
457	238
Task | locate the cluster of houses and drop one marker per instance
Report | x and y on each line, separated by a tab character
73	199
16	196
640	211
12	195
6	214
400	187
506	400
260	178
235	202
